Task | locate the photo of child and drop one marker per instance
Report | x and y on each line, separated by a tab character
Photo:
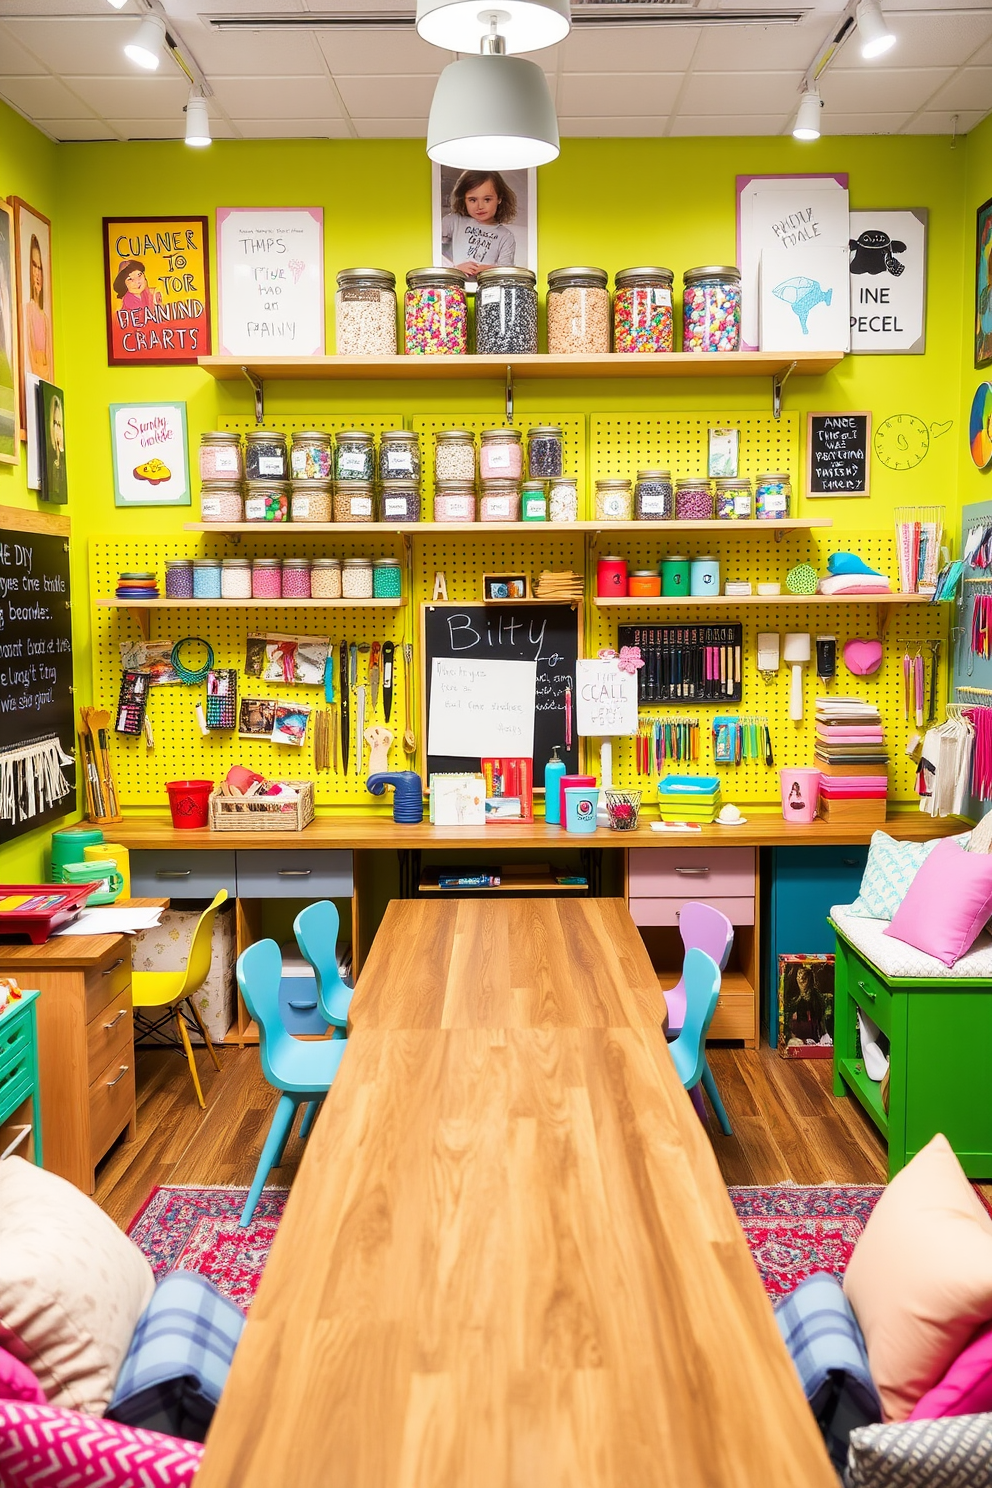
484	219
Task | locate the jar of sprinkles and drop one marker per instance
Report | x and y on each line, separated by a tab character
310	456
642	310
266	456
354	456
235	578
325	578
454	455
356	578
614	501
267	501
353	501
310	500
545	451
506	312
500	455
179	578
399	455
693	499
206	578
221	501
773	496
387	579
296	578
220	455
534	501
711	308
563	499
399	501
365	313
653	496
499	501
266	578
578	312
435	313
454	501
733	498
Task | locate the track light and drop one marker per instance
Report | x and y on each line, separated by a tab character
527	25
876	38
492	112
145	47
807	125
197	120
117	4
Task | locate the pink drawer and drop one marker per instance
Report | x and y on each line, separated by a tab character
692	873
666	911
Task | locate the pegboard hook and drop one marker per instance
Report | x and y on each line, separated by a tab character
779	379
509	392
259	391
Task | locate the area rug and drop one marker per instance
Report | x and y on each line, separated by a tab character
794	1231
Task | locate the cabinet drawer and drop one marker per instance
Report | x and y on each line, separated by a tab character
666	911
16	1084
112	979
15	1041
110	1034
734	1016
196	874
111	1103
320	873
691	873
870	993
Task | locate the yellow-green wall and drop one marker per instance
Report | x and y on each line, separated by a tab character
975	484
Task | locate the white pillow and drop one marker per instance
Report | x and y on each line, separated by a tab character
72	1286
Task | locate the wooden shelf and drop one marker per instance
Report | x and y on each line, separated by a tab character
732	601
868	1092
532	885
497	529
776	364
139	609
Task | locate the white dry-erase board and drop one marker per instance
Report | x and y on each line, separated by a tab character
270	264
605	699
483	705
546	635
838	446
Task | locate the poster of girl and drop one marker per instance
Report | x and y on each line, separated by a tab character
33	245
9	442
484	219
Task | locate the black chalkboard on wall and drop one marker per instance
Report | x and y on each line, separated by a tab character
838	448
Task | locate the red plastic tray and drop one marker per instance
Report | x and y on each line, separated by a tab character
39	924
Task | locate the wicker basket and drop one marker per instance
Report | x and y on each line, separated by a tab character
263	813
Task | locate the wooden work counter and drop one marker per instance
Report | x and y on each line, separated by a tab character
508	1258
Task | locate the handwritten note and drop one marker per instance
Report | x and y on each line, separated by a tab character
271	270
837	447
481	708
605	699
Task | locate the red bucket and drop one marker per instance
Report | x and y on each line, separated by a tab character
189	801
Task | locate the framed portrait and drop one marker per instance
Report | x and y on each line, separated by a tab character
151	460
157	272
10	421
983	286
35	312
484	219
806	1006
51	442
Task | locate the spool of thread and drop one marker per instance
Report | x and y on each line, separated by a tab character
115	853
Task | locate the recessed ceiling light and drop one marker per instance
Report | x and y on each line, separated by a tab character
492	112
526	25
197	120
876	38
807	125
146	45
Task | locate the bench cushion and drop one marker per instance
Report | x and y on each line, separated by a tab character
956	1453
894	958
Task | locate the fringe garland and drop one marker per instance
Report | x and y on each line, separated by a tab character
31	778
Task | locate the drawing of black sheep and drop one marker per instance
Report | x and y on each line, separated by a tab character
873	254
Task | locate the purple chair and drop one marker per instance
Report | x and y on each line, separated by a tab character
702	928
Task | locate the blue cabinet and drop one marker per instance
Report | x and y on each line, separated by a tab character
803	885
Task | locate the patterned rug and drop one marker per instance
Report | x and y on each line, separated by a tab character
791	1231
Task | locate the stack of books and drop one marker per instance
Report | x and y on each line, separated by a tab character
851	755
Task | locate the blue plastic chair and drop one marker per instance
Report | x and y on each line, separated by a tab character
316	929
704	928
301	1069
701	976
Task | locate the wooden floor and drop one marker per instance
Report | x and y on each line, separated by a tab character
787	1126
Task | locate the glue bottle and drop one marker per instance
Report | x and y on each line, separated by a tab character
553	771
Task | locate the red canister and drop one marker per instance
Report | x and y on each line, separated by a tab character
611	578
567	782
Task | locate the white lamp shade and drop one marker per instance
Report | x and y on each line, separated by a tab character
807	125
492	113
876	38
145	47
525	25
197	121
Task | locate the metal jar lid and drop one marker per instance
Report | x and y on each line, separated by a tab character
235	563
303	487
265	436
706	558
507	275
648	274
566	278
220	436
545	431
676	558
711	271
498	436
326	563
386	563
266	562
781	475
406	436
536	484
731	482
179	562
455	487
296	563
692	480
256	487
399	483
613	485
649	475
643	573
311	436
353	487
355	436
357	563
382	278
206	562
453	277
459	434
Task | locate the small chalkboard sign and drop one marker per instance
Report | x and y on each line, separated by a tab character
838	446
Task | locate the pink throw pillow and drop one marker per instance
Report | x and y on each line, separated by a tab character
42	1446
18	1382
947	903
966	1389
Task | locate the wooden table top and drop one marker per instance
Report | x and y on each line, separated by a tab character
72	950
509	1259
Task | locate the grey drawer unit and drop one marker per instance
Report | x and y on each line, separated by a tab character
196	874
274	873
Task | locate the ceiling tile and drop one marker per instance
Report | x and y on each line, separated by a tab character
256	128
16	60
253	53
361	53
761	48
727	95
606	95
616	128
934	122
276	97
134	98
392	128
970	89
79	46
688	124
68	130
627	49
887	90
925	41
387	97
844	123
41	98
148	129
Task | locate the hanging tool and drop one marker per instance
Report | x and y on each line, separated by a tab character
362	693
826	657
345	704
100	723
379	740
375	674
907	685
409	737
795	653
918	688
387	678
353	665
568	712
934	666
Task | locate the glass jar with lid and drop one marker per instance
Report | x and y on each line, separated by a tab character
353	501
642	310
399	455
235	578
499	501
506	312
563	499
310	501
266	456
354	456
500	455
365	313
435	313
545	451
454	501
179	578
454	455
267	501
266	578
653	496
356	578
614	501
399	501
296	578
325	578
387	578
206	578
732	497
221	501
220	455
578	312
310	456
711	308
534	501
693	499
773	496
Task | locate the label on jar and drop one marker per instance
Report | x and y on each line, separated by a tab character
613	506
400	459
460	506
226	460
255	509
209	507
270	465
498	456
490	296
654	504
351	462
361	506
662	297
394	506
774	503
742	506
301	506
498	506
298	461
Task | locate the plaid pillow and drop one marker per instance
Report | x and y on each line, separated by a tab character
953	1453
826	1346
179	1358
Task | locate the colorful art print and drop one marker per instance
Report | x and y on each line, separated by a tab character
505	586
10	421
151	657
35	310
256	718
157	290
806	1006
484	219
290	723
51	424
788	211
254	655
983	286
150	453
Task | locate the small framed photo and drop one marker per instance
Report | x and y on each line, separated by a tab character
484	219
151	460
10	385
256	718
983	286
498	588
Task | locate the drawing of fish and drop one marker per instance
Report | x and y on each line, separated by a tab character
803	295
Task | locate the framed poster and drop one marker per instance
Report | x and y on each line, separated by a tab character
792	213
157	290
51	442
151	460
484	219
806	1006
270	271
35	314
983	286
889	282
808	311
10	445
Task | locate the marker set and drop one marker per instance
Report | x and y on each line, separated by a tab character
664	740
737	740
701	663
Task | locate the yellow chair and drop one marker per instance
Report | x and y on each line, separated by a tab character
173	992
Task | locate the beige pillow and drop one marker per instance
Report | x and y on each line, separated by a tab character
920	1278
72	1286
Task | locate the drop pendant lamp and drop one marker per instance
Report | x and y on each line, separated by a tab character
525	25
492	112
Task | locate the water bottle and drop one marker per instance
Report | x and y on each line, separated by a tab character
553	771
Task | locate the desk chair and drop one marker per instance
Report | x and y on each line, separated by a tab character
301	1069
701	976
170	994
316	929
704	928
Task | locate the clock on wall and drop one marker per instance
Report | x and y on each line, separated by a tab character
902	441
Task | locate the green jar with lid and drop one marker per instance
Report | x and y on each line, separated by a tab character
387	579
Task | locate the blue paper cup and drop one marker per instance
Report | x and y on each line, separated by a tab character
580	808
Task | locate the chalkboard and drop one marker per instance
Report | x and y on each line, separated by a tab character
548	634
36	704
837	452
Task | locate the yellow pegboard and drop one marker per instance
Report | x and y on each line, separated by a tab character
573	429
620	444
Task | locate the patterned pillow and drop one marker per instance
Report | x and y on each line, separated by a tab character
44	1447
17	1381
954	1453
889	871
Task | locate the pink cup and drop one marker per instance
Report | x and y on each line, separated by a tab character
800	794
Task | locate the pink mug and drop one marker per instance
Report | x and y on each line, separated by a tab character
800	794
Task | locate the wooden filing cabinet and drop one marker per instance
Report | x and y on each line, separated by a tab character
659	880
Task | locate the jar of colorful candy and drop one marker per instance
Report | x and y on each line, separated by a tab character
266	578
500	455
221	501
614	501
220	455
356	578
296	578
365	313
310	501
545	451
325	578
711	309
454	455
310	456
435	313
563	499
578	312
179	578
353	501
642	310
235	578
399	455
534	501
206	578
399	501
354	456
653	497
499	501
773	496
454	501
693	499
266	456
387	578
506	312
267	501
733	497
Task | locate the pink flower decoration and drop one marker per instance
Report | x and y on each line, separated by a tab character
630	659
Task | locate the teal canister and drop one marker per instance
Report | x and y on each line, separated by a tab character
67	847
674	572
704	578
553	771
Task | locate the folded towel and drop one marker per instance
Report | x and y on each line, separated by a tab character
855	584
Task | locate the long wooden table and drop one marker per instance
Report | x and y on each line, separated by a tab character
509	1260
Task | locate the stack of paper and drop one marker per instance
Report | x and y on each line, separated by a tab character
113	921
851	754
